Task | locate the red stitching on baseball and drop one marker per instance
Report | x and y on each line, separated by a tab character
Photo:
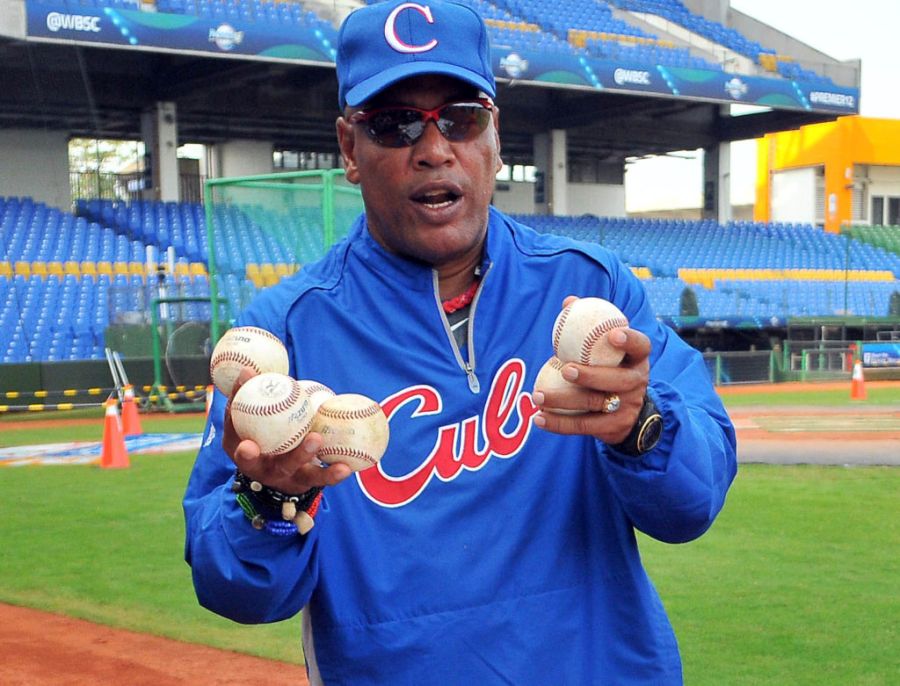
557	330
316	388
359	413
290	443
232	356
258	410
597	333
347	452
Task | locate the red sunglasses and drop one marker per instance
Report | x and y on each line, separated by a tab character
400	127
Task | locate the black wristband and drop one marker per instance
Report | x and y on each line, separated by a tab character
645	433
269	498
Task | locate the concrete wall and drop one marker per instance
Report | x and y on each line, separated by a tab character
603	200
35	163
515	197
243	158
12	18
606	200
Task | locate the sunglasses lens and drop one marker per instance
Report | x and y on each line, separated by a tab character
463	122
399	127
395	128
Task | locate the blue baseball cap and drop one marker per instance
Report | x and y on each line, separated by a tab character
381	44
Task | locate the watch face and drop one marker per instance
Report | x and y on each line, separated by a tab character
650	433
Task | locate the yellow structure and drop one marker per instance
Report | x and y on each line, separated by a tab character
837	146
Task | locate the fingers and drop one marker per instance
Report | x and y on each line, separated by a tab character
294	472
635	344
582	407
607	427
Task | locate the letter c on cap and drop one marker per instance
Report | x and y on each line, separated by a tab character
390	31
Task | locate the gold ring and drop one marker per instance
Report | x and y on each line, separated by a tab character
611	404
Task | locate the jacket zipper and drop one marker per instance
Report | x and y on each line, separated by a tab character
468	366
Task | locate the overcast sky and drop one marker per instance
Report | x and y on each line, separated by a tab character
864	29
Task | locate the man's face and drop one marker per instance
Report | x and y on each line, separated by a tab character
428	201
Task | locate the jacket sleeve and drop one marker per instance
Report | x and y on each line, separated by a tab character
674	492
247	575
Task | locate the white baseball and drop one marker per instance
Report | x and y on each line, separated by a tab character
354	431
581	329
246	346
273	411
317	392
550	378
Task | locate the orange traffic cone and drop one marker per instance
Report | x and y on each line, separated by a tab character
857	382
131	422
209	398
114	455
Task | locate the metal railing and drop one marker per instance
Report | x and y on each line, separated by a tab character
131	186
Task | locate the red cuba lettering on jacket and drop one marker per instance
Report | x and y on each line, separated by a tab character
500	431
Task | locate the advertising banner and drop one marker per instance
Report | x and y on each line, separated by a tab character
138	29
61	21
881	354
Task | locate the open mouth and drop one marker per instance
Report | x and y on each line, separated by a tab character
437	199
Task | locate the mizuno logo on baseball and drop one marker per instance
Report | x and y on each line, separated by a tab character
393	38
500	431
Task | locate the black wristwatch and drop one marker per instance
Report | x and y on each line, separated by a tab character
646	432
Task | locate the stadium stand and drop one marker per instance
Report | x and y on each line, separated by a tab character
593	27
65	278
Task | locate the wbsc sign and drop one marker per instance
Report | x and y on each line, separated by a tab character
57	21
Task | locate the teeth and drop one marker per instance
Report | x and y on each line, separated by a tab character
437	199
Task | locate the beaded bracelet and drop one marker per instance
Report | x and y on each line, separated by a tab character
297	511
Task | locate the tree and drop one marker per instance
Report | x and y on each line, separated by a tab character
104	155
689	306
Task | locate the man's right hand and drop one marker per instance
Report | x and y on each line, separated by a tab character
292	473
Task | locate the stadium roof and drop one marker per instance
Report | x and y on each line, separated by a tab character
100	90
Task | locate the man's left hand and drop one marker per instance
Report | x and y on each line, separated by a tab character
595	385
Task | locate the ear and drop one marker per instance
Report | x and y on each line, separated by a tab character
496	115
346	136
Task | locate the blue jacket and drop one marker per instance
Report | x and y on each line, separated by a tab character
481	550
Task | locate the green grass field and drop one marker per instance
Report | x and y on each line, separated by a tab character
875	396
794	584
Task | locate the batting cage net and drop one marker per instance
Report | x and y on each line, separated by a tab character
259	229
263	228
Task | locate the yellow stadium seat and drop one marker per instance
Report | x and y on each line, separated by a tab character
254	274
39	268
105	267
5	269
22	268
138	268
72	267
198	269
55	267
89	268
120	268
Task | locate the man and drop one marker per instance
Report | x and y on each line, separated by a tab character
494	543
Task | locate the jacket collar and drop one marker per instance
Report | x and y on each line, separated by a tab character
408	273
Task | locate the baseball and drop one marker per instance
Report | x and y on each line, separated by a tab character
246	346
580	331
550	378
317	392
354	431
272	410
